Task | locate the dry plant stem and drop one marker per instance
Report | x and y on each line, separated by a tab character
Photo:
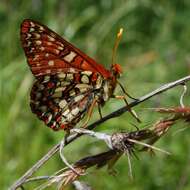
99	160
35	167
39	178
123	142
182	95
114	114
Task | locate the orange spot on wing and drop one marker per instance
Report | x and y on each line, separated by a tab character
86	66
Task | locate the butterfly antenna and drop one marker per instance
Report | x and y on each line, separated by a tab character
118	38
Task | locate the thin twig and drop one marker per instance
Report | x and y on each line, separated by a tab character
114	114
182	95
35	167
149	146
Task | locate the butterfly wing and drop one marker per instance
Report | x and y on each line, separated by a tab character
59	102
48	53
66	77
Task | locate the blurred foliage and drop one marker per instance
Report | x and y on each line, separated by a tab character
154	50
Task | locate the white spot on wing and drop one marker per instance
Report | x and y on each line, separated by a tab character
60	48
36	57
54	124
69	117
64	83
63	120
41	28
49	43
87	72
32	24
51	63
75	111
51	38
62	103
52	34
65	112
78	98
28	36
60	89
46	78
83	87
69	76
57	94
72	93
32	29
49	118
70	56
36	35
38	42
29	43
61	75
72	70
56	51
42	48
85	79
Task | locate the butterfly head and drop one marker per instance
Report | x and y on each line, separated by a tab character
116	70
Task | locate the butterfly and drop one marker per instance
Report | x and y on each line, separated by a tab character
68	82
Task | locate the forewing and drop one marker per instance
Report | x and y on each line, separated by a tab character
48	53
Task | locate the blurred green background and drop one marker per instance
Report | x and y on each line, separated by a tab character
155	49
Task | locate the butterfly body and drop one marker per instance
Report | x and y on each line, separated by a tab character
67	80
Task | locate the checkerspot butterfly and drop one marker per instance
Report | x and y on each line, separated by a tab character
68	82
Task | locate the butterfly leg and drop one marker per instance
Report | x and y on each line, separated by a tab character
89	114
133	113
124	91
100	112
